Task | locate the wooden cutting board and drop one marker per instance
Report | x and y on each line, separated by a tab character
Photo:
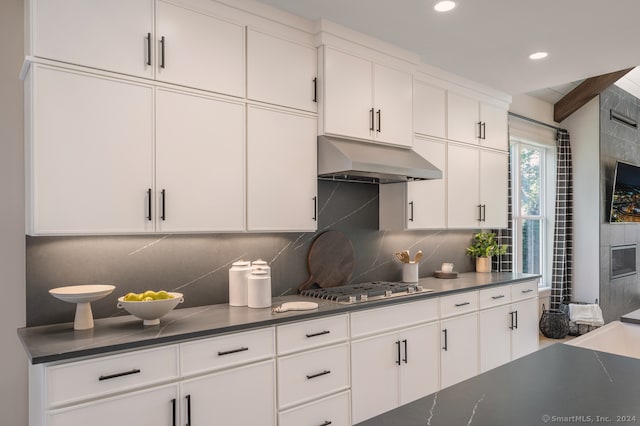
330	261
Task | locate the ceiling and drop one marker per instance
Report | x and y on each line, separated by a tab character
489	41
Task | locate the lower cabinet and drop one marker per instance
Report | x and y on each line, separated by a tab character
393	369
459	354
332	410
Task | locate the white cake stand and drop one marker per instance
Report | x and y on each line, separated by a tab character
82	296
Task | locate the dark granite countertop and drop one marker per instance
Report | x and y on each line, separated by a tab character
631	317
61	342
559	384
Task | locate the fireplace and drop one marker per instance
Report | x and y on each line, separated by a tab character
623	260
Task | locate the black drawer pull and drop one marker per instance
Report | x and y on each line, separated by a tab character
148	38
188	398
313	376
497	297
233	351
124	373
326	423
462	304
321	333
527	291
173	411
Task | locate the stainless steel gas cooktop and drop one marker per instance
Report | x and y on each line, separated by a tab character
363	292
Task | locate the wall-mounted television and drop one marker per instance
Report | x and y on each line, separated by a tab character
625	200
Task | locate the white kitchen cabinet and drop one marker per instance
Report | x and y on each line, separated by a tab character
333	410
281	72
459	354
478	122
89	153
419	204
281	170
477	191
199	50
366	100
200	163
236	397
495	337
114	35
429	109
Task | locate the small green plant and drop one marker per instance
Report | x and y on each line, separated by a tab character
485	245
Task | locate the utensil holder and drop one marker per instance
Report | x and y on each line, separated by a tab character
410	272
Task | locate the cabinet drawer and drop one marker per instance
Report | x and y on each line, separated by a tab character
495	296
457	304
226	351
524	290
333	409
311	334
100	376
379	320
312	374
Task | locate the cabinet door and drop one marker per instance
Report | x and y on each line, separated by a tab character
459	356
91	154
393	100
429	106
494	187
495	337
525	336
281	171
495	131
237	397
110	35
374	375
348	100
199	163
150	407
281	72
419	372
462	118
199	50
426	199
463	188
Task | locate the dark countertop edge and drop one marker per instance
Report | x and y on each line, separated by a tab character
631	317
276	319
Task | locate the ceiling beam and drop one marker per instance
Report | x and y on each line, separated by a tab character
583	93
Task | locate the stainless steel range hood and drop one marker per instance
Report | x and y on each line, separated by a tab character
356	161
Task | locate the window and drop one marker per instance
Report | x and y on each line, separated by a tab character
529	210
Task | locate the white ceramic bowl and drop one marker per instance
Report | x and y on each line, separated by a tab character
152	310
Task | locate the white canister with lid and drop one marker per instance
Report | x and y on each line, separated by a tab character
238	281
262	265
259	289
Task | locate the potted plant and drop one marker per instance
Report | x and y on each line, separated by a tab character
485	246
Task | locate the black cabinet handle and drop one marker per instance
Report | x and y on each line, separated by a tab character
527	291
315	209
479	124
497	297
372	120
163	197
124	373
188	398
149	204
313	376
512	326
232	351
457	305
446	345
148	38
484	130
399	355
479	212
326	423
406	352
321	333
379	121
162	52
173	411
516	312
315	89
484	212
410	211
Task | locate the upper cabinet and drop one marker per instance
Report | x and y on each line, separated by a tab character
475	121
429	109
113	35
366	100
281	72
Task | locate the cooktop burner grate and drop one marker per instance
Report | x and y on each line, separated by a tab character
362	292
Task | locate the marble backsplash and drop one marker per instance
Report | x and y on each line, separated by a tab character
197	264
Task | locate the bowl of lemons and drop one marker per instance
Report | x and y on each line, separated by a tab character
150	305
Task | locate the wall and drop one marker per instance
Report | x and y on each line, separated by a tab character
197	265
13	374
617	142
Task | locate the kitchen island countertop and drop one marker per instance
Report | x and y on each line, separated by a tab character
59	342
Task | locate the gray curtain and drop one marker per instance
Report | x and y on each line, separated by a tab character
562	268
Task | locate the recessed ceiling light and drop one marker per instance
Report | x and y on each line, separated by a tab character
444	5
538	55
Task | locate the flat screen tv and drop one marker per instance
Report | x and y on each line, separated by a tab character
625	200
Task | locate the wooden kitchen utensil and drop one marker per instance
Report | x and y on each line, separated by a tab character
330	261
418	257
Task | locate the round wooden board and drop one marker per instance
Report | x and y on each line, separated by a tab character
330	261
